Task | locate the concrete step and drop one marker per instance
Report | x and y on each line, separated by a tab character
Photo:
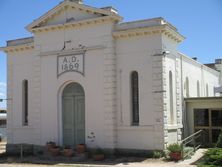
197	155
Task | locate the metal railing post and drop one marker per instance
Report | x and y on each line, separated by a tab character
190	139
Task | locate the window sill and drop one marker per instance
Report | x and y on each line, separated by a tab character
171	127
23	127
148	127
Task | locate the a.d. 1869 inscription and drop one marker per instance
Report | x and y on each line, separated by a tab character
70	63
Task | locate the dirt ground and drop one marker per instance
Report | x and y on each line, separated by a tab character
144	163
79	165
33	161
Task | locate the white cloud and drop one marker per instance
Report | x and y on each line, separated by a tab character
2	88
2	94
2	84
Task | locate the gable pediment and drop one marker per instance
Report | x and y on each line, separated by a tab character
70	12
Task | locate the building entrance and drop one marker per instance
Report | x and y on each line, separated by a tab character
73	115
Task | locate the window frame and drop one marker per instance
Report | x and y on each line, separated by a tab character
25	106
134	80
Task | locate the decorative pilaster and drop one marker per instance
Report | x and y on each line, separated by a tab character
178	99
159	99
110	93
10	103
36	105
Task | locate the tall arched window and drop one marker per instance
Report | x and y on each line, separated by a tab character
187	88
198	89
207	90
25	102
171	97
135	97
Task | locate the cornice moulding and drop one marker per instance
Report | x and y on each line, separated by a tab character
18	48
162	29
196	63
64	6
76	24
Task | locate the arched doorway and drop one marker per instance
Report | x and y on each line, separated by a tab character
73	115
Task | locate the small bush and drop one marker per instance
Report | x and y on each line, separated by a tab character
174	147
158	154
213	156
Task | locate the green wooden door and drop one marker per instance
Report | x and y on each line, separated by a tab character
80	119
73	115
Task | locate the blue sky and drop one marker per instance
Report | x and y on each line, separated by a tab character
200	21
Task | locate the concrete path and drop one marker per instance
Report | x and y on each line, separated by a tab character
198	154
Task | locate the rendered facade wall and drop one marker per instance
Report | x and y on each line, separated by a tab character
203	74
183	68
109	62
46	89
137	54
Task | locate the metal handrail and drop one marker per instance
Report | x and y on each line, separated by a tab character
190	139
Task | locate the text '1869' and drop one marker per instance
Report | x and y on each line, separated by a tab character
70	63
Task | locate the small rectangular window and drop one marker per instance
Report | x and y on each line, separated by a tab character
25	102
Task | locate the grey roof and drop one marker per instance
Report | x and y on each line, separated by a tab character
190	99
20	41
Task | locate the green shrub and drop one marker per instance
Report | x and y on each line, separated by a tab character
219	141
174	147
158	154
213	156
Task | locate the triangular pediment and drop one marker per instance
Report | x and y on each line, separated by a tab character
67	12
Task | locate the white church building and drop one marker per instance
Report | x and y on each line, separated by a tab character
86	77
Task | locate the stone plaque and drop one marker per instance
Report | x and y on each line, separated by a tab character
72	62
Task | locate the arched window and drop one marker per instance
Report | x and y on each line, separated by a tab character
207	90
135	97
187	88
171	97
198	89
25	102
